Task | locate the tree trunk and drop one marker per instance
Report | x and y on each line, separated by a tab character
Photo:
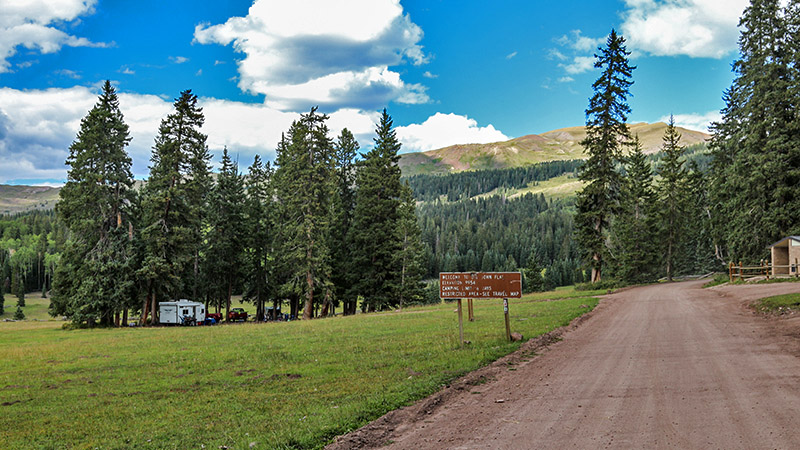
596	275
326	303
308	311
228	300
125	317
154	311
116	319
146	306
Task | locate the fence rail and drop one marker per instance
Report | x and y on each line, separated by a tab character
764	269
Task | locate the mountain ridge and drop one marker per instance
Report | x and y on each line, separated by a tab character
559	144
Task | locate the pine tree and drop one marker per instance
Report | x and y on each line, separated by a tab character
304	184
346	149
635	227
756	146
169	234
226	232
20	291
259	221
606	132
408	258
698	246
19	314
534	282
375	218
95	204
672	190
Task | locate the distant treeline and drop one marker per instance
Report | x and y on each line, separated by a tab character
500	234
463	185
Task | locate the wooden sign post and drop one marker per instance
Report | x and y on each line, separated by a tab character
460	325
472	285
508	324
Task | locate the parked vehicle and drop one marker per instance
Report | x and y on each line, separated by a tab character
237	314
216	316
182	312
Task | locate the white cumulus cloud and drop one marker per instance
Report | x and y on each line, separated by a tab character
38	126
696	28
695	121
33	24
442	130
579	64
337	57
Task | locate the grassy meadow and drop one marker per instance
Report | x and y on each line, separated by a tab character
242	386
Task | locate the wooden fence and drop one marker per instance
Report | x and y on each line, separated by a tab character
763	269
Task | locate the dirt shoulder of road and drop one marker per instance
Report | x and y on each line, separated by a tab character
515	387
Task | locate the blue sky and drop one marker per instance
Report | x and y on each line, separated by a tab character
448	72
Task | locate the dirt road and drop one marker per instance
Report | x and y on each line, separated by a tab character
664	366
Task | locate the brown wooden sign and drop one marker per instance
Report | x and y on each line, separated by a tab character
480	285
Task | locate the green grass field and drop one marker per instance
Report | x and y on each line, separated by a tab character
275	385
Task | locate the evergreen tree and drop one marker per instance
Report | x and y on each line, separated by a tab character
95	204
375	218
198	189
167	209
698	246
756	146
19	314
20	292
408	258
226	232
534	282
606	132
672	190
259	222
304	183
345	151
635	227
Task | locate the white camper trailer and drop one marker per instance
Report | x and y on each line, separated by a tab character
181	312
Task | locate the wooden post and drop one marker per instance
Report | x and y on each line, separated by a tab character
505	313
730	271
460	325
741	278
469	310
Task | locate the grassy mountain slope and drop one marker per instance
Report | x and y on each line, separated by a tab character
16	199
558	144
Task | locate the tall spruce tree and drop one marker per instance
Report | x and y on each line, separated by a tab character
259	255
672	195
346	149
408	259
94	280
606	133
168	232
635	226
756	145
304	183
698	245
374	232
225	232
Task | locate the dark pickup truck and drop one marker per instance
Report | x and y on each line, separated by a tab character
237	314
